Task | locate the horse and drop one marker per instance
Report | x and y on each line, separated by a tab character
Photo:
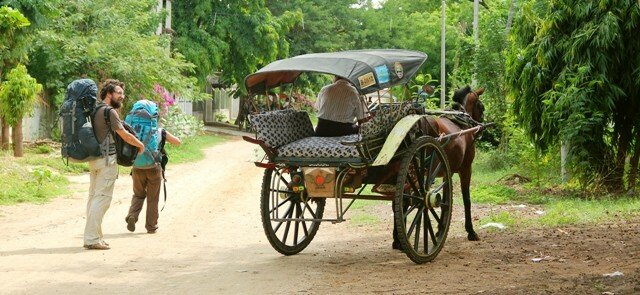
460	151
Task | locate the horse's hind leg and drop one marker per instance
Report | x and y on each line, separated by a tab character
465	182
396	243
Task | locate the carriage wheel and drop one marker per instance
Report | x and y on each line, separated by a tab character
280	207
423	202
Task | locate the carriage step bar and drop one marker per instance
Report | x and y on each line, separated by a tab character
332	220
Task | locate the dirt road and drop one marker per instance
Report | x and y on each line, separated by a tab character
211	241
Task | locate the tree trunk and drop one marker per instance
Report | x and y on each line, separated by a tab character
614	181
633	163
5	134
512	12
16	135
242	114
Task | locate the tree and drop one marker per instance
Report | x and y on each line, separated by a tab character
230	38
17	97
573	75
13	49
99	40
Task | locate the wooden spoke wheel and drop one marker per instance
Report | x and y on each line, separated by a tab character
423	202
289	218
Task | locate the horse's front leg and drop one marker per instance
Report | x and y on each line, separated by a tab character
465	182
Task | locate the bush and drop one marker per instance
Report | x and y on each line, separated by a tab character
181	124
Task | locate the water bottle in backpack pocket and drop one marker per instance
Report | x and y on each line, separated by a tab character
143	118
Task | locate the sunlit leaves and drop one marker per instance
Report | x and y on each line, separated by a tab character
18	94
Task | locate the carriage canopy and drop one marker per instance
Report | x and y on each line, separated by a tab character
368	70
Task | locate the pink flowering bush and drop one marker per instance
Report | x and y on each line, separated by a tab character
163	97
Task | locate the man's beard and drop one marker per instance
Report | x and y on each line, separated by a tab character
115	104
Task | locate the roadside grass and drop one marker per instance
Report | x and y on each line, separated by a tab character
41	174
191	149
363	219
358	214
34	178
558	205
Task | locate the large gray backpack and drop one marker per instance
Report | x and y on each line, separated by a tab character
79	143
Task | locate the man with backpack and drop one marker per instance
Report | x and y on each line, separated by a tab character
104	170
147	171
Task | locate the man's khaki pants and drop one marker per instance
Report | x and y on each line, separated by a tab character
103	175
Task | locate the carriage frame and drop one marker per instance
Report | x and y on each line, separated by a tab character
391	159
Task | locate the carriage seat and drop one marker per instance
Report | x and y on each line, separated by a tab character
291	133
320	147
385	119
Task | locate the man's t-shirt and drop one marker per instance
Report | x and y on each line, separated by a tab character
102	130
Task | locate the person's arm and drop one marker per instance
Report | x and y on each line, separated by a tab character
172	139
131	139
116	125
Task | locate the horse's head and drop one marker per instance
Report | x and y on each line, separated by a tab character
469	102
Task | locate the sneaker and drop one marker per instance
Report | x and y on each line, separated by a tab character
131	223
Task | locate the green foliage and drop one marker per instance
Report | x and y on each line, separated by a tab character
34	183
232	38
572	73
572	211
220	117
41	176
506	218
100	40
494	194
18	95
43	149
181	124
13	38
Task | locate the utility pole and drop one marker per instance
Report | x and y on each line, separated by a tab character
158	10
476	39
443	85
167	22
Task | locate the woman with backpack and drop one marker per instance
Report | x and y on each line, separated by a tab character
147	171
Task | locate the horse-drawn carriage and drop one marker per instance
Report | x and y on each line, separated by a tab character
400	155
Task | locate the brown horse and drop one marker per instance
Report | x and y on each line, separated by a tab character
461	150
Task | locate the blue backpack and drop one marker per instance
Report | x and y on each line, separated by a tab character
143	117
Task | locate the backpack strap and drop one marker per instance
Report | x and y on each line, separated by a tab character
107	119
163	152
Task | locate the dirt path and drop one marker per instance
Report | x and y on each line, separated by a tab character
211	241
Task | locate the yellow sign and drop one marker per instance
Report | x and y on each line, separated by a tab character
319	181
367	80
394	139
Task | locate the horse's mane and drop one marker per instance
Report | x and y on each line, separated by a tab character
459	96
